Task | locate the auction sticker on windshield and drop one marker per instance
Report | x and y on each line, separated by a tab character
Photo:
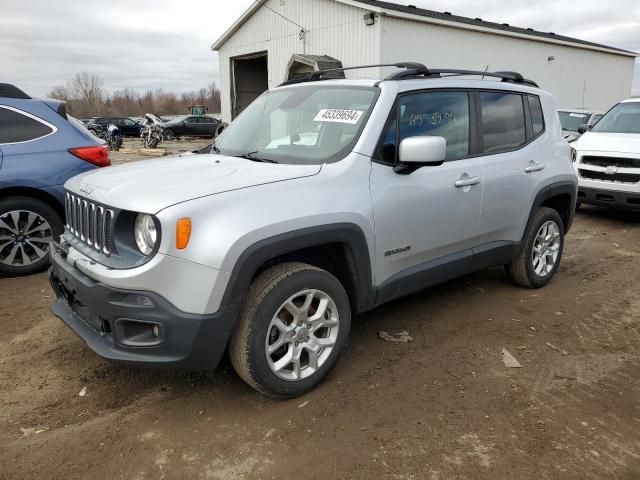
338	115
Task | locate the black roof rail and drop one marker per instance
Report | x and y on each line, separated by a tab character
411	70
414	68
512	77
10	91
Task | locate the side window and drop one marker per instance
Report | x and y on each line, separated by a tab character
442	114
502	121
16	127
537	119
595	118
128	122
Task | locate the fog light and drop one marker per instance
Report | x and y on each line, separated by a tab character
156	331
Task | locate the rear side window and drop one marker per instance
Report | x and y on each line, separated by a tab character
537	120
442	114
17	127
502	120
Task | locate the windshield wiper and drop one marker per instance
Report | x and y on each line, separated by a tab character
252	156
215	149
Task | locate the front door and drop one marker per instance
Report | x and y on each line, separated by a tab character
429	216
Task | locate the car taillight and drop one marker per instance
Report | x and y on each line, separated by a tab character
98	155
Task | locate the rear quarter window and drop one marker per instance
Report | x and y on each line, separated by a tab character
537	119
17	126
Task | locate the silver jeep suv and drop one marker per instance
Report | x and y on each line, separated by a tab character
324	199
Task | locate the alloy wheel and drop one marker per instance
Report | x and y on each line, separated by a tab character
302	334
546	247
24	238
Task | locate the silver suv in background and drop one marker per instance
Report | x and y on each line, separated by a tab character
323	199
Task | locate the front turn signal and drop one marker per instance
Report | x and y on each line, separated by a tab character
183	233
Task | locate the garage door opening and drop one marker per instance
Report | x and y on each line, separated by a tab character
250	79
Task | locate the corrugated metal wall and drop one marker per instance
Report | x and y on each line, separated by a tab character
605	78
338	30
334	29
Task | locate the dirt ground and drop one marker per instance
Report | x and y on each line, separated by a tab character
441	407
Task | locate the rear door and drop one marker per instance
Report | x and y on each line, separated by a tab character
190	126
428	215
129	127
208	126
511	122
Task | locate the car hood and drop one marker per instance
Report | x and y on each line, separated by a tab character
608	142
151	185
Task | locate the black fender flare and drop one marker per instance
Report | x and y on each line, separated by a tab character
349	234
564	187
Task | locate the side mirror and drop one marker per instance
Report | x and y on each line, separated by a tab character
426	150
584	128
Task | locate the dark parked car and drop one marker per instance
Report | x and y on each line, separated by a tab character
193	126
128	127
41	147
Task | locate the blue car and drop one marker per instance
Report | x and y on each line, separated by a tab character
40	148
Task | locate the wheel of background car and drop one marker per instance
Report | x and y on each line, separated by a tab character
27	226
292	329
220	128
168	134
541	251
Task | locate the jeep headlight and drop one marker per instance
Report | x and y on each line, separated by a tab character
145	233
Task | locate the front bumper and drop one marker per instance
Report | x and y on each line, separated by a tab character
611	198
122	327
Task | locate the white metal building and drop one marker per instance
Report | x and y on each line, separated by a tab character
278	39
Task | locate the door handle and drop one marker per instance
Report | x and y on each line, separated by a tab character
534	167
467	182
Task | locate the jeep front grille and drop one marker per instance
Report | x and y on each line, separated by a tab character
90	223
620	162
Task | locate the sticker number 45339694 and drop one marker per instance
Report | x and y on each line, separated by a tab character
338	115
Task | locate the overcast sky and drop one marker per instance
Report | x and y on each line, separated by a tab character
149	44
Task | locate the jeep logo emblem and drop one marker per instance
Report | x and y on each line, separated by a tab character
611	170
86	189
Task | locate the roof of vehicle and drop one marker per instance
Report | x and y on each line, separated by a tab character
631	100
423	83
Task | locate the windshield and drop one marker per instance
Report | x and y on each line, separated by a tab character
572	120
310	124
623	118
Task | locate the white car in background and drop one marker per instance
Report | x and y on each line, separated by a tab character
607	158
572	118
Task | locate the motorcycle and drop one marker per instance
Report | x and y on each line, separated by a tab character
113	138
153	132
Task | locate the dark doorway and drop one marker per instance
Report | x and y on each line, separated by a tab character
250	79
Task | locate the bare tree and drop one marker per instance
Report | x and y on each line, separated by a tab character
59	92
85	97
88	89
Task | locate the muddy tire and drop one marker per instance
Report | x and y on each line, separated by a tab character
540	252
292	329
